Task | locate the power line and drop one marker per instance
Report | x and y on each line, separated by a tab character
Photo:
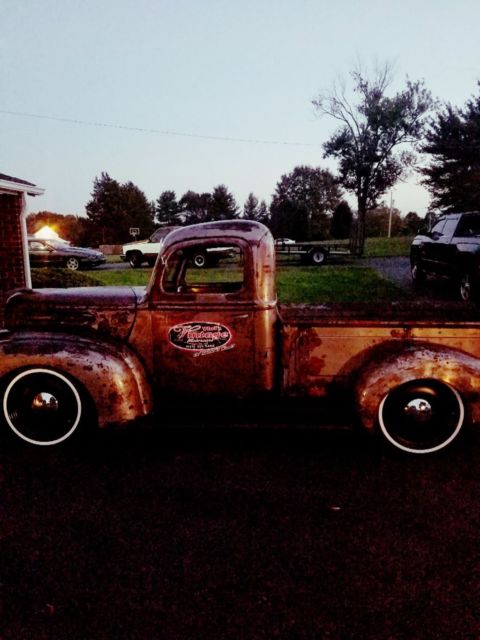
156	131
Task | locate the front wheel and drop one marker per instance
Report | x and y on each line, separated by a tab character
421	416
73	264
417	272
42	406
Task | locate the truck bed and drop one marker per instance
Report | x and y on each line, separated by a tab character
328	344
411	313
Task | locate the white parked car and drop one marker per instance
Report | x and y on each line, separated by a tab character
283	241
145	251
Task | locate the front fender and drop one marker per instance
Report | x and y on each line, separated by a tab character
111	373
389	369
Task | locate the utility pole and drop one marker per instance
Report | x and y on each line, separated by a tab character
390	215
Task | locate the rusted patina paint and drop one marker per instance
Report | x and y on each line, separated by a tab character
106	310
127	347
393	365
111	373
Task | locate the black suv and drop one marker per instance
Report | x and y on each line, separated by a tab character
452	250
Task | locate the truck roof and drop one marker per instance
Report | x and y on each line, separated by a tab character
249	230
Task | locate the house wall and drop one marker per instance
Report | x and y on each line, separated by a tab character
12	270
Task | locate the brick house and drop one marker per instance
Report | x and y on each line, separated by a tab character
14	262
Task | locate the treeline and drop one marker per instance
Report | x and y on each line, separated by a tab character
375	145
307	204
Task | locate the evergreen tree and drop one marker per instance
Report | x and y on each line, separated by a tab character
167	208
255	210
263	214
222	205
115	208
250	208
453	143
342	221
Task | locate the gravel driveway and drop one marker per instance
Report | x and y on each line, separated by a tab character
395	269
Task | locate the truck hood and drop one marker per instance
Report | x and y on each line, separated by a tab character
107	310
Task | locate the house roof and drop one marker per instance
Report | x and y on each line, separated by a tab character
9	184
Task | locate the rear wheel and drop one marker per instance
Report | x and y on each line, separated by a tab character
466	288
42	406
417	272
421	416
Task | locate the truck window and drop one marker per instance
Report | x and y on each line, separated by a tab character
450	227
204	269
468	226
438	228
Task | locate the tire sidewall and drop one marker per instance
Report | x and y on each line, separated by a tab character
9	386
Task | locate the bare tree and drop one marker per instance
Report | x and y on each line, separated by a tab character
374	142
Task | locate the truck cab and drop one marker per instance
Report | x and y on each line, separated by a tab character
213	329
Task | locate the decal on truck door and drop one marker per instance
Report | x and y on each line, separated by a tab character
201	337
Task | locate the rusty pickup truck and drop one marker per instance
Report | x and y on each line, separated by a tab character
409	374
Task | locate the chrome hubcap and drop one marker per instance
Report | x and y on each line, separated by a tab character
45	401
419	410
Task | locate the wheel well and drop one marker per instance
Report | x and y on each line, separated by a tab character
407	363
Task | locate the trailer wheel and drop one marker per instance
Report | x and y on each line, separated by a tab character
199	259
317	257
43	407
421	416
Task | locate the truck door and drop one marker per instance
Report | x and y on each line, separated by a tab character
440	251
203	321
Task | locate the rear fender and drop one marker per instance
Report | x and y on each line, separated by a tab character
112	374
383	372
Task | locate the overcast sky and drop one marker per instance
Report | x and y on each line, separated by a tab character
244	70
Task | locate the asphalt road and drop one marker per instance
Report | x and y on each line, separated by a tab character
244	535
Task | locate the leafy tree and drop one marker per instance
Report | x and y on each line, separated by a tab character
114	208
453	142
194	207
302	203
412	223
167	208
378	222
370	142
222	205
342	220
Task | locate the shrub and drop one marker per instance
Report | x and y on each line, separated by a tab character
61	278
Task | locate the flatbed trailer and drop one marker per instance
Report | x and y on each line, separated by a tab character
316	253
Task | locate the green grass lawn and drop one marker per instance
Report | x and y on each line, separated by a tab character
312	285
315	285
387	247
295	284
